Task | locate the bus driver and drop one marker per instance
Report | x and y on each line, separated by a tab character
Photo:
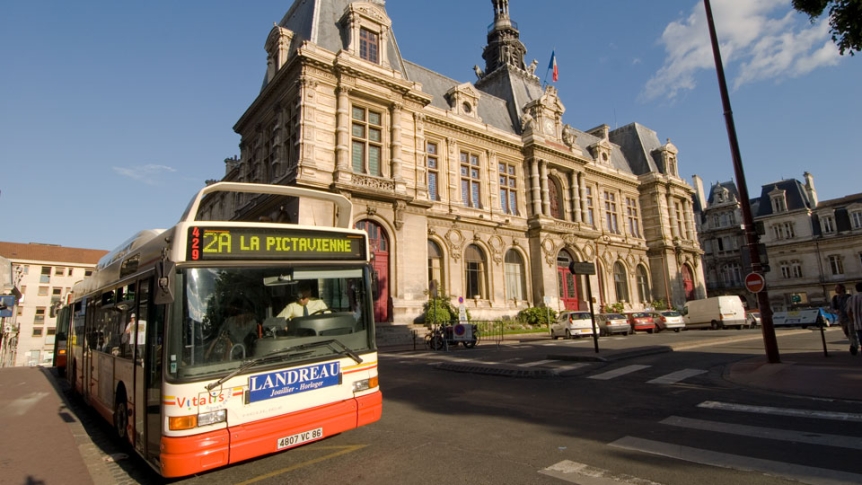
304	305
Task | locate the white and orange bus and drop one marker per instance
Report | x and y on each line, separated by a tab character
185	340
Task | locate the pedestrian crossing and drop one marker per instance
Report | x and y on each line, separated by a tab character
757	439
556	367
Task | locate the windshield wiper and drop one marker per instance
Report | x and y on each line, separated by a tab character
295	350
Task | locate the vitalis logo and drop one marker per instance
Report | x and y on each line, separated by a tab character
292	381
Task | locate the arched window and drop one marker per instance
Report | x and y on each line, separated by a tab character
554	198
643	285
515	283
435	267
620	284
475	283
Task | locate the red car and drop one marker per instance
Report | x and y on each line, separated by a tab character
641	321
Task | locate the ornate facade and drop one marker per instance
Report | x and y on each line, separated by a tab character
478	189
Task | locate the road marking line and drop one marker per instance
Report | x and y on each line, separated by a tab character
804	413
851	442
340	450
565	368
583	474
800	473
677	376
619	372
538	362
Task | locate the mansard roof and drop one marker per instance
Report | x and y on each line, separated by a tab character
796	196
317	21
731	189
492	110
639	145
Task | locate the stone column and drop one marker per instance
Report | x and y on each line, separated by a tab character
536	190
546	203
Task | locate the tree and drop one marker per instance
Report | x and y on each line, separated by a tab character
845	20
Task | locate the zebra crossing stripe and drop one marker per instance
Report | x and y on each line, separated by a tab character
801	413
565	368
799	473
808	437
677	376
618	372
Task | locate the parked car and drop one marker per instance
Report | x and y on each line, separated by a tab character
572	324
752	318
641	321
613	323
668	320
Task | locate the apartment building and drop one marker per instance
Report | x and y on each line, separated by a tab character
43	275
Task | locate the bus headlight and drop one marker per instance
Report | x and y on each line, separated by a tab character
214	417
365	384
176	423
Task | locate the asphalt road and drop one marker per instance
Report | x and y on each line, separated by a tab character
668	418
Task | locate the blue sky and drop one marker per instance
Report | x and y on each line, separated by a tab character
113	114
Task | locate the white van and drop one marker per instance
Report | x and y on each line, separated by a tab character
715	312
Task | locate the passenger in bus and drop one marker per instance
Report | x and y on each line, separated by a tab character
304	305
240	324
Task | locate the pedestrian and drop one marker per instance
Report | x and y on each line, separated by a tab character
853	308
839	301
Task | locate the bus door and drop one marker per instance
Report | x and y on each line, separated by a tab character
152	382
90	342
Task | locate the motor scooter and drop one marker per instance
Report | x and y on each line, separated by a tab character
444	336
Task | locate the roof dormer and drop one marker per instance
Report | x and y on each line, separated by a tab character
277	49
667	159
464	100
601	150
368	30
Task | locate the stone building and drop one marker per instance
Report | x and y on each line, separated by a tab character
478	189
719	222
812	244
43	274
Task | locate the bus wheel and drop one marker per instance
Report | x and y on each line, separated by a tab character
121	415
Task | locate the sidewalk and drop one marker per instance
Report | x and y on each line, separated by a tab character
44	442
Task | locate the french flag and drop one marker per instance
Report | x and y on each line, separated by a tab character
553	65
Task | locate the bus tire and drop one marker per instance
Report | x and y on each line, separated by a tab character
121	414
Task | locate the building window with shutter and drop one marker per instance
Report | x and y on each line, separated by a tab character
508	189
471	180
367	149
432	164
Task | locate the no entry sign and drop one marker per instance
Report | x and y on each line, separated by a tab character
754	282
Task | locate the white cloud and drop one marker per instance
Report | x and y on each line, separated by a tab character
759	40
147	174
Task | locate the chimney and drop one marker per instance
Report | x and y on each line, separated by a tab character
809	187
698	191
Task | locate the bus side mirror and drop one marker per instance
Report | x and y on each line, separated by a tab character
164	283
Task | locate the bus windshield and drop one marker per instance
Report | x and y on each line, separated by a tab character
232	315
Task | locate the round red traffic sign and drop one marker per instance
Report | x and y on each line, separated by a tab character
754	282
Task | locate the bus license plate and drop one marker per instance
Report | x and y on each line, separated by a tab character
300	438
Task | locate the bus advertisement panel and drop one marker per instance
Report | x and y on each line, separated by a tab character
215	342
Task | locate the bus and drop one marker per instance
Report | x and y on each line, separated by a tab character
184	339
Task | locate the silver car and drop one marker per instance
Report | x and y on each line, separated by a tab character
572	324
613	323
668	320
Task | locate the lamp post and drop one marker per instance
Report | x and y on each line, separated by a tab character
769	341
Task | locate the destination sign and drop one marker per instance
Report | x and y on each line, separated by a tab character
236	243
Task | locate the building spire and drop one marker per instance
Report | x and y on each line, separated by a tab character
504	47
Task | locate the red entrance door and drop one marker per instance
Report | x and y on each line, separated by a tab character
687	283
379	246
567	282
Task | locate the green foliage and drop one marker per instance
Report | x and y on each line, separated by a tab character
659	304
536	315
845	20
440	310
617	307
